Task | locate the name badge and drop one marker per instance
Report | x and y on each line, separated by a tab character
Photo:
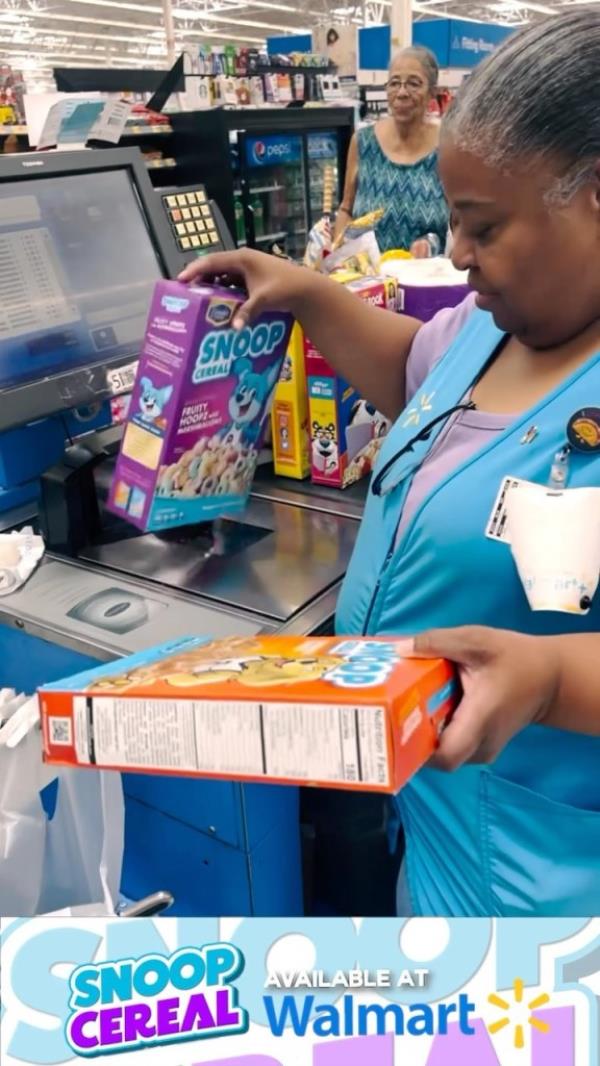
497	526
554	536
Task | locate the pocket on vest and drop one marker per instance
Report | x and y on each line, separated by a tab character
542	857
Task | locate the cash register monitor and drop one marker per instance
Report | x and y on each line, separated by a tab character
82	242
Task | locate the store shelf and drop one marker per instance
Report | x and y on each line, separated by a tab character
266	188
137	130
271	236
129	131
160	164
271	68
259	189
283	68
146	131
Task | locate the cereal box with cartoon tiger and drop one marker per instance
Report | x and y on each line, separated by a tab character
338	712
199	409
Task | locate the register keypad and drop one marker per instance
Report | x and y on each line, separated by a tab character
191	218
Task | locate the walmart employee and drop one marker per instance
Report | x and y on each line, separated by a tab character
483	392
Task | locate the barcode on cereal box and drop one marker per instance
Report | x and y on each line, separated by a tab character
61	732
289	741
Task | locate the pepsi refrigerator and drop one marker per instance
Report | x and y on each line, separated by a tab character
266	168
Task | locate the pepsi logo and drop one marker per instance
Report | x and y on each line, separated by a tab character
259	151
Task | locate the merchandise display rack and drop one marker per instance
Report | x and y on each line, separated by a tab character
152	136
285	68
19	131
201	147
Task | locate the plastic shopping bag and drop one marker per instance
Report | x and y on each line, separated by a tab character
61	830
84	842
22	819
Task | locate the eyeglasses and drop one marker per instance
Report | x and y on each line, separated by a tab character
413	85
377	485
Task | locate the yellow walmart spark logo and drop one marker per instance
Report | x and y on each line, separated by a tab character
533	1005
423	404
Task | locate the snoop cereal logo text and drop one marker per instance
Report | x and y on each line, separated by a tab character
220	348
174	304
366	663
156	999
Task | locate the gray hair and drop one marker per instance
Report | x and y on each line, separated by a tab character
425	58
536	100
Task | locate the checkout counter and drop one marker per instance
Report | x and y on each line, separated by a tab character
83	238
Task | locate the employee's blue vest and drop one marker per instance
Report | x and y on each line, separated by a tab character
521	836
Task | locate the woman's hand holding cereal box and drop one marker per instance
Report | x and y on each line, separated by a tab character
366	345
199	409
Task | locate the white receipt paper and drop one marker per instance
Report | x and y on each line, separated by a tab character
555	541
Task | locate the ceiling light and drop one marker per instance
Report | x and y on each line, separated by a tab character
541	8
274	7
218	34
120	38
263	4
235	4
52	17
442	14
514	5
147	9
209	16
184	13
98	57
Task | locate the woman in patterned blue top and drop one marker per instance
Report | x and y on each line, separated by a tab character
393	164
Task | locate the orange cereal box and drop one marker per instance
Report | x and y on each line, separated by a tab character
329	711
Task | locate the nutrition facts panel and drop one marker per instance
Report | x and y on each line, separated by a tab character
285	741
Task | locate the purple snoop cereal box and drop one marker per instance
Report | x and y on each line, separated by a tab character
199	408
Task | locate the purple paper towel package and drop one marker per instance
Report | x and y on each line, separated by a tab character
426	286
199	408
424	302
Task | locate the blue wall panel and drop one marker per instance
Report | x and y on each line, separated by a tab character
435	35
470	42
299	42
456	43
374	43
